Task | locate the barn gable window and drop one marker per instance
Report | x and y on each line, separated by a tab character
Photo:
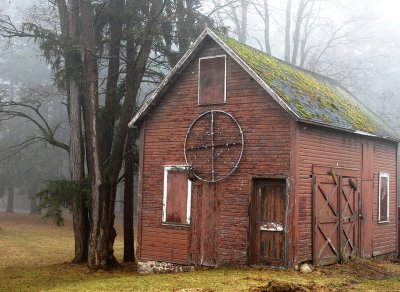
212	80
177	195
383	200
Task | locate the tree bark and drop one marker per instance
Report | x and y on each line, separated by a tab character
69	19
110	106
129	250
10	199
104	179
100	252
136	67
287	30
80	209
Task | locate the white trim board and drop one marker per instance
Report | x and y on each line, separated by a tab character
198	79
381	175
168	168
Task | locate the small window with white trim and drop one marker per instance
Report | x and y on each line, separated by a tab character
212	80
177	195
383	199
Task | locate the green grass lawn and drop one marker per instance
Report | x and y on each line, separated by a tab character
35	255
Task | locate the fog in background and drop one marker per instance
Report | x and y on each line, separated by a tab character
356	43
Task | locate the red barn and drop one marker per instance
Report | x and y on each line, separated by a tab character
247	160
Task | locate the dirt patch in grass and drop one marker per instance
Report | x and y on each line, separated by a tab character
284	286
360	270
195	290
357	275
280	286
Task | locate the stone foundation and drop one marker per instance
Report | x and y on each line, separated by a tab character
156	267
386	256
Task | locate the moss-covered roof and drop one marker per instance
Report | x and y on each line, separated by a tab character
312	97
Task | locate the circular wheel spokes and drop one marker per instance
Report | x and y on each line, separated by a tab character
214	145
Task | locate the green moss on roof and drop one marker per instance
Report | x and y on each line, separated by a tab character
311	96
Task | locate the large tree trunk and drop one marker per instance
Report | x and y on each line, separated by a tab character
111	102
100	254
80	209
104	181
76	160
129	250
69	18
136	67
10	199
110	112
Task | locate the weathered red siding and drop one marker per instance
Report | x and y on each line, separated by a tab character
384	237
274	145
266	128
317	146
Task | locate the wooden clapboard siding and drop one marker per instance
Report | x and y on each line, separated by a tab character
320	147
333	148
275	144
266	128
384	235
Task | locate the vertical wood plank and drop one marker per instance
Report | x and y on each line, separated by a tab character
367	187
208	225
194	249
268	223
140	192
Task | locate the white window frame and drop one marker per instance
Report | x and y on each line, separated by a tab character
198	81
168	168
383	174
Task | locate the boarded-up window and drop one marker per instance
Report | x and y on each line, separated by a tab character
212	80
383	205
177	195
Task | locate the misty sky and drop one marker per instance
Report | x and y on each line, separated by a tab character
375	35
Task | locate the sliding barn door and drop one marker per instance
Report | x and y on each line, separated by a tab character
336	219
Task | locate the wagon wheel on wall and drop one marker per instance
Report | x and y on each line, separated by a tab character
214	146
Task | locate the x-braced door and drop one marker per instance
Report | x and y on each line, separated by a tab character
349	214
336	222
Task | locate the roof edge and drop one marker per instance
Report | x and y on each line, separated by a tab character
147	104
356	132
208	32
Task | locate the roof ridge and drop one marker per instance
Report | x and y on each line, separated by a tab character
307	96
323	101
